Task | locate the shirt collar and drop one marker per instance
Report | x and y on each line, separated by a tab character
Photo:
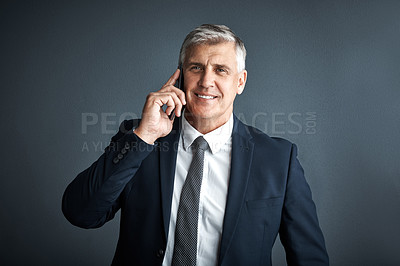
216	139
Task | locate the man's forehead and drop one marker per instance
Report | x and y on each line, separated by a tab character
222	51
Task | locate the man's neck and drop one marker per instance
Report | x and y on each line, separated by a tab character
205	125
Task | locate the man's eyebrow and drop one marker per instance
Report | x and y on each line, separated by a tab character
214	65
222	66
195	64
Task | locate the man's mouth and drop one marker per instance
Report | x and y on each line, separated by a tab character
207	97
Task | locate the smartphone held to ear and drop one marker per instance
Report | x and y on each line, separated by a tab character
179	85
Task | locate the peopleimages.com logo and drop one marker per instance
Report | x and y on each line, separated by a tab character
280	123
273	124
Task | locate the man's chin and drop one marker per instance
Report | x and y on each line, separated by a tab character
196	115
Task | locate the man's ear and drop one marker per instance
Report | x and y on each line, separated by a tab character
241	81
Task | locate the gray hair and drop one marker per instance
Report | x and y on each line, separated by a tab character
214	34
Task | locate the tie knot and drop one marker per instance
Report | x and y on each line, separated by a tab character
200	143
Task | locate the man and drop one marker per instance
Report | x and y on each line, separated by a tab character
221	202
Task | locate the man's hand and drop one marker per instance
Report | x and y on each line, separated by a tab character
155	122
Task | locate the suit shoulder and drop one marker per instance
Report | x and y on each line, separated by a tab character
274	150
261	138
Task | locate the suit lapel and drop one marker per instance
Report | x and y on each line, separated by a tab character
242	155
168	147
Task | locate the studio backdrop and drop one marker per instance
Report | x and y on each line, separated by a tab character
323	74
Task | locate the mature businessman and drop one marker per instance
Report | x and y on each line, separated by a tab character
201	188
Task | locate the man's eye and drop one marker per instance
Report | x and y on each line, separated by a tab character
195	68
221	70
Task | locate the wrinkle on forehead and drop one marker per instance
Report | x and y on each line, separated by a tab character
213	54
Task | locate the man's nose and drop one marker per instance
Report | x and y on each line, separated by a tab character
207	79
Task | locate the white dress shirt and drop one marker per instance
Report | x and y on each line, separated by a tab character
214	189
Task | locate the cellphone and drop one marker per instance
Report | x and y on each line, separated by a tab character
179	85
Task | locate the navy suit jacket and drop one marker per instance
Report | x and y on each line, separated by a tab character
267	195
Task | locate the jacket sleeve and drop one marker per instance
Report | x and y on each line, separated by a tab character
300	233
92	198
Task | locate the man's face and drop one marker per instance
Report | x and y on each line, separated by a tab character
211	82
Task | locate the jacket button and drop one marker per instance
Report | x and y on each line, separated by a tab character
123	151
120	156
160	253
116	160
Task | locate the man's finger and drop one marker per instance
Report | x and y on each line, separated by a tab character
180	93
172	80
175	105
171	100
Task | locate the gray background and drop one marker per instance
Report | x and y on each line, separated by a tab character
324	74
